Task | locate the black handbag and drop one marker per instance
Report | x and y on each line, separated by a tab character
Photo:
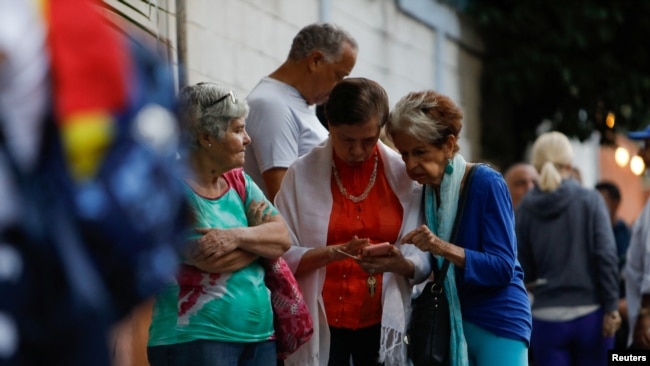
429	330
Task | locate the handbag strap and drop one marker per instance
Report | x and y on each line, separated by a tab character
440	278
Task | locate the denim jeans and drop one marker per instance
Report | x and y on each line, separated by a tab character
213	353
574	342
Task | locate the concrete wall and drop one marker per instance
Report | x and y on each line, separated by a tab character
235	42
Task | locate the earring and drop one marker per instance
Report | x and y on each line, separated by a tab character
209	145
449	168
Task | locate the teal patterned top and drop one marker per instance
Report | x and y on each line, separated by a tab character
228	307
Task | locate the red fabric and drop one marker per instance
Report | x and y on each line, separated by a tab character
348	303
90	65
236	180
291	319
189	280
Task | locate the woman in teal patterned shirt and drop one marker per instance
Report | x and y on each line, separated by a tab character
217	311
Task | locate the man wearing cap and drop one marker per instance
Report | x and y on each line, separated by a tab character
637	268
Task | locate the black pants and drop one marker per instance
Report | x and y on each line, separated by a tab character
360	344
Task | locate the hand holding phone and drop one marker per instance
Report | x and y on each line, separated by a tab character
377	250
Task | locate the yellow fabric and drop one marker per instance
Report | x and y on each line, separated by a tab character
42	6
85	138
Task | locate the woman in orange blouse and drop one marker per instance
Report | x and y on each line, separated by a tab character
348	193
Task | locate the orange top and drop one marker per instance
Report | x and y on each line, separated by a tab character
348	303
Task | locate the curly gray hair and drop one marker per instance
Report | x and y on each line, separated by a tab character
208	107
326	37
427	115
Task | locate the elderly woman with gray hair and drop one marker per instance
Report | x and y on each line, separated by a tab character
565	239
193	317
490	313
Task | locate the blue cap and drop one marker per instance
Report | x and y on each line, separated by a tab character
640	135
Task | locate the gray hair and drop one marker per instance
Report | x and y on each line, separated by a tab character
427	115
551	153
325	37
200	112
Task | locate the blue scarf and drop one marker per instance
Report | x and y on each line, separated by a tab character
441	223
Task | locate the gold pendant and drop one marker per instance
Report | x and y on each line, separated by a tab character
372	282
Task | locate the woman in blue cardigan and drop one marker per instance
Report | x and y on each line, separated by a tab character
484	280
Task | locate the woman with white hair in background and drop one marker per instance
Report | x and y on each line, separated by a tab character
565	239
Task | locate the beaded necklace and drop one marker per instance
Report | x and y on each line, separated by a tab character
365	193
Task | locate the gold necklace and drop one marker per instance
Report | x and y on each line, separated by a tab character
365	193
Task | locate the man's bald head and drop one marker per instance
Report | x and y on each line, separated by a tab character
520	178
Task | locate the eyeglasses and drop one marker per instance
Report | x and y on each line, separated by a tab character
230	94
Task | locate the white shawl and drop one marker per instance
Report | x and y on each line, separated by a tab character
305	201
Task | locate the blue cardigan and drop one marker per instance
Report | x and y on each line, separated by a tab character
490	287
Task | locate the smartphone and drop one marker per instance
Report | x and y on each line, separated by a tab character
376	250
348	254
